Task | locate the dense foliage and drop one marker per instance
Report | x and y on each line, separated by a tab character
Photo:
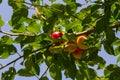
97	19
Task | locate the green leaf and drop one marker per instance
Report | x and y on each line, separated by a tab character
93	51
0	1
19	28
10	74
94	59
6	40
92	73
36	69
1	22
70	68
26	40
7	50
49	24
68	1
19	39
117	50
71	7
55	72
118	58
4	55
80	75
44	78
94	8
16	3
52	0
83	13
116	11
25	72
70	36
100	25
31	65
89	73
74	25
27	51
19	14
115	75
112	71
109	69
116	43
33	0
58	9
110	35
34	27
108	47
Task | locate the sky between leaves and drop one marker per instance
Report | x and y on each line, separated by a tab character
6	11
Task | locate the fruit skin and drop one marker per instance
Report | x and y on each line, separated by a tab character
56	34
80	40
70	48
57	37
78	53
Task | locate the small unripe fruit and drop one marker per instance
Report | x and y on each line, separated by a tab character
78	53
80	41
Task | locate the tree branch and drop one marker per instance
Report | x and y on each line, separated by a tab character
39	13
11	62
45	71
16	34
87	32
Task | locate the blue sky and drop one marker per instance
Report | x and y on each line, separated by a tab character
6	12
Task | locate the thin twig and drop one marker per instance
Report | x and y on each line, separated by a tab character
45	71
87	32
39	13
16	34
11	62
35	75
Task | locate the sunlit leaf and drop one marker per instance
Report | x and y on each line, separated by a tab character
52	0
34	27
116	43
4	55
25	72
1	22
6	40
118	59
117	50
